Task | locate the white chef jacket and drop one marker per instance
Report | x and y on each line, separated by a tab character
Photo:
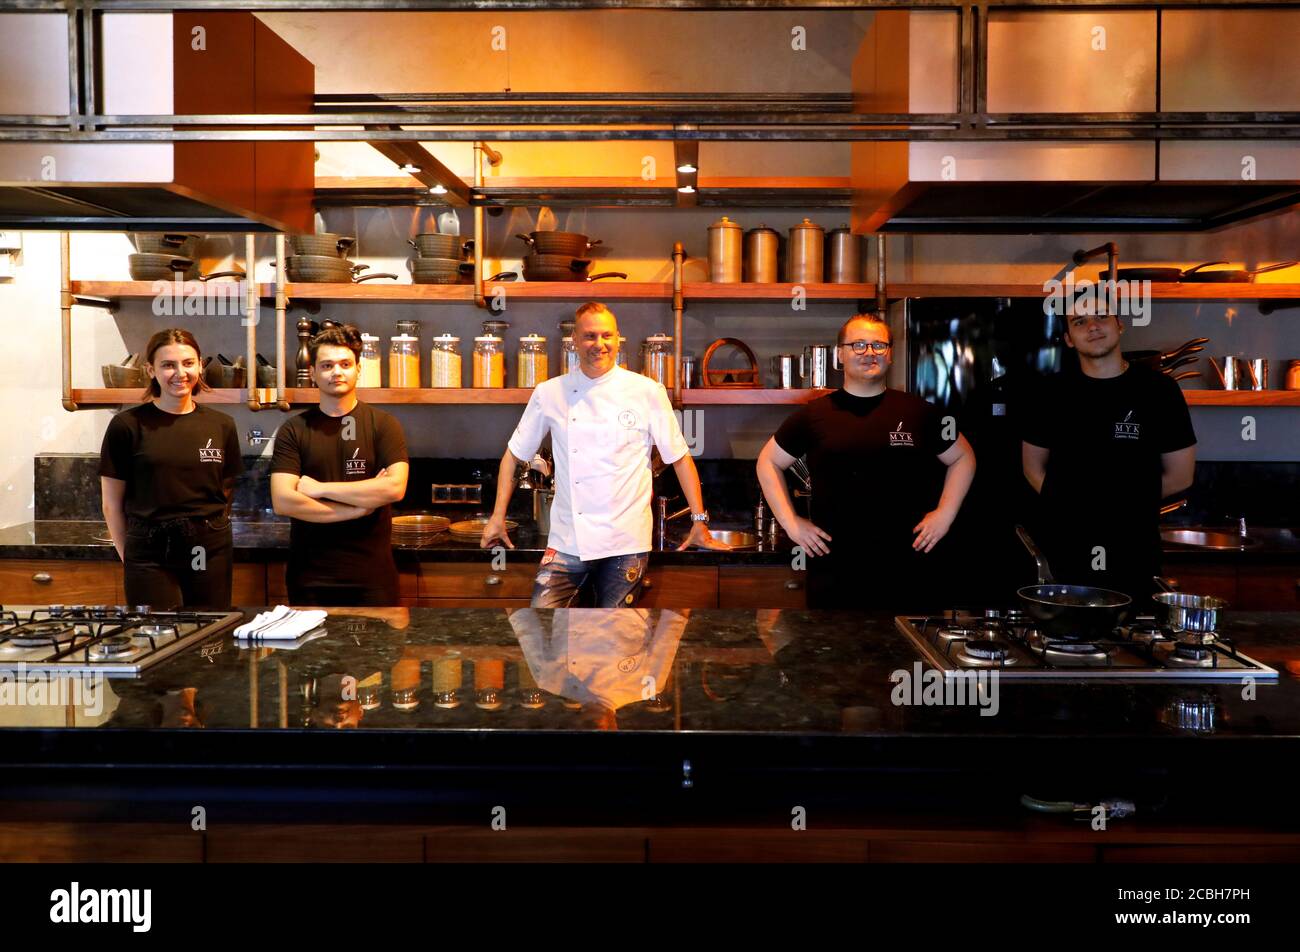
602	431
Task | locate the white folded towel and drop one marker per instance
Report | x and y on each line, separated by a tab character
282	622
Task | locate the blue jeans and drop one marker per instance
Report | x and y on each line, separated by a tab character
616	580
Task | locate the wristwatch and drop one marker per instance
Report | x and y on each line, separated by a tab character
700	517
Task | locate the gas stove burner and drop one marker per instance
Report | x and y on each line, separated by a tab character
983	653
113	647
952	633
1075	652
155	631
42	634
1188	655
1147	634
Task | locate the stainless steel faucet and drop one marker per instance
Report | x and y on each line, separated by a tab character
663	517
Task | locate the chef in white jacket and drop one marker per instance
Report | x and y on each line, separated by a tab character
604	422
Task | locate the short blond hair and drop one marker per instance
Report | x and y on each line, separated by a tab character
865	318
592	307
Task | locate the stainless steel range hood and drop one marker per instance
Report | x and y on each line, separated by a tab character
1074	62
156	64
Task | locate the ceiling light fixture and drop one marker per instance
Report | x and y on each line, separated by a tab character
438	189
409	169
686	168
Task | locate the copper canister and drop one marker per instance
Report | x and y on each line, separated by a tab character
725	241
761	245
845	251
1292	379
803	254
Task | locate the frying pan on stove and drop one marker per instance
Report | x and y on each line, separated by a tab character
1069	612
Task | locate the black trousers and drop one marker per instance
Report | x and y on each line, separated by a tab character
377	592
179	563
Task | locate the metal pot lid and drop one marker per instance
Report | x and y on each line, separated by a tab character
725	222
807	223
842	230
763	229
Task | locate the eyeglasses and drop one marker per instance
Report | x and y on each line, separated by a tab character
860	347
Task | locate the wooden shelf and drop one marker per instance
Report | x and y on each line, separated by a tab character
114	290
116	397
743	291
715	396
608	290
387	291
429	395
1242	398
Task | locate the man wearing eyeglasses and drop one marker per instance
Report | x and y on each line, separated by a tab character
1103	446
877	459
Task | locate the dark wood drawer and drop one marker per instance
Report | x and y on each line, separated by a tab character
248	585
680	586
277	590
1273	588
475	580
59	582
761	586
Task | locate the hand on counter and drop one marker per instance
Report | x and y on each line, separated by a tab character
932	527
700	536
812	538
495	530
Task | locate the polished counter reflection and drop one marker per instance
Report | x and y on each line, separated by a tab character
712	671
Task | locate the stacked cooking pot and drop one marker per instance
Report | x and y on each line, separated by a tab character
159	257
561	256
322	259
440	259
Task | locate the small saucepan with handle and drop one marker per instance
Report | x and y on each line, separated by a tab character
1192	617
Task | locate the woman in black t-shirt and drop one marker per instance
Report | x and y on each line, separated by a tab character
167	473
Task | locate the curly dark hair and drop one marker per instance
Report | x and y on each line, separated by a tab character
346	335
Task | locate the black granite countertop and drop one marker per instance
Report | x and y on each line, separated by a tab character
258	540
700	714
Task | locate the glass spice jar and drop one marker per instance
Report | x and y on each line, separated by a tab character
489	362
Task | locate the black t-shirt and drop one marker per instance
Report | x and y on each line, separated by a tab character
1102	487
872	463
174	464
356	551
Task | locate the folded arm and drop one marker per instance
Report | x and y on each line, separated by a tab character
1033	460
288	501
1177	470
386	488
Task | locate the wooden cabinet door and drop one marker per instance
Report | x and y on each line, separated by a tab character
60	582
248	585
474	580
761	586
1205	578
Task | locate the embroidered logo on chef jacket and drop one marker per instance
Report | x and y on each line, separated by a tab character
900	437
209	453
354	466
627	418
1127	430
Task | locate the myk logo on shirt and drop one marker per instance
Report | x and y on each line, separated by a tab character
209	453
1126	430
354	466
900	437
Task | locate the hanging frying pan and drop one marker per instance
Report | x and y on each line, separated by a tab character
1165	275
1235	275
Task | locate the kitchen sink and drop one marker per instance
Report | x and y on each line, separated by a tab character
1208	539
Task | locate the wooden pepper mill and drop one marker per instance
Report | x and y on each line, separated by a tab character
307	329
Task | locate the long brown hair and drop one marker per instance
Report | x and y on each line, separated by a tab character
171	335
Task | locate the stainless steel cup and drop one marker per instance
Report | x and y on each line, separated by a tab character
1256	373
1226	369
785	368
817	371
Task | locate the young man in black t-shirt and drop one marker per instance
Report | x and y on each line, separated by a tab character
876	458
1103	446
337	469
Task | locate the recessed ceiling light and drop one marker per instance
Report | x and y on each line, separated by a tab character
438	189
687	168
687	189
409	169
